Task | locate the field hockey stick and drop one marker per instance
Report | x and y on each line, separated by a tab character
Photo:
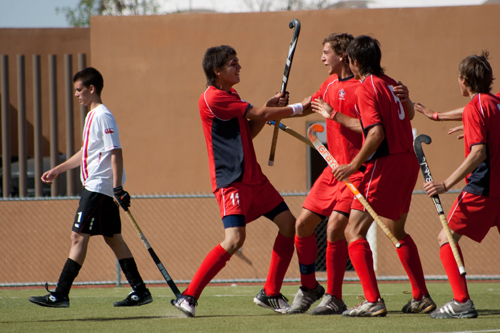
294	24
157	261
417	145
290	131
311	132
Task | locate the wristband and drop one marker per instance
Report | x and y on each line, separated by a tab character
117	189
297	108
332	115
435	116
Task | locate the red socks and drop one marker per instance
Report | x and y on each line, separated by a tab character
307	251
457	281
280	260
214	262
336	262
362	259
408	255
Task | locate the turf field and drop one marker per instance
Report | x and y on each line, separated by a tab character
231	309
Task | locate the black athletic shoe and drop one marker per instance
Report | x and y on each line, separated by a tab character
52	300
135	298
277	303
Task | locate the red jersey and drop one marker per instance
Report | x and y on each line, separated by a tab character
343	143
481	119
231	155
377	104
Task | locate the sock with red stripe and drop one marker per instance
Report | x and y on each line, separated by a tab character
307	251
336	262
408	255
214	262
280	260
457	281
362	259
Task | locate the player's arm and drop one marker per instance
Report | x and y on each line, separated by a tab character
455	114
71	163
259	115
374	138
323	108
119	193
476	156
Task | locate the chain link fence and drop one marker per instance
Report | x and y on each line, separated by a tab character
182	229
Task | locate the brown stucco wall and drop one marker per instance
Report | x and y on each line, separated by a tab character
152	66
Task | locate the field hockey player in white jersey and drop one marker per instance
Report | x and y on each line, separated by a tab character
102	176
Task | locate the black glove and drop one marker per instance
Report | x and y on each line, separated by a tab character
122	197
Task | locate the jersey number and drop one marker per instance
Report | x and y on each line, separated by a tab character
401	112
235	198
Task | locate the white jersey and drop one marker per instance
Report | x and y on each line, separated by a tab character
100	137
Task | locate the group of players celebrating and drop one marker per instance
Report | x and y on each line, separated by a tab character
369	133
368	116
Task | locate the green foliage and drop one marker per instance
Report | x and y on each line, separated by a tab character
80	16
231	309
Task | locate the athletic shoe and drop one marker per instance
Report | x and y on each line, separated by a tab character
52	300
455	309
186	304
329	305
425	305
277	303
305	298
135	298
367	309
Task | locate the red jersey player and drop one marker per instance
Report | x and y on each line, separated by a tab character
387	150
475	210
328	196
240	187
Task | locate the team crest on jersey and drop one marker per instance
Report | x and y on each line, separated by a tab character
342	94
108	131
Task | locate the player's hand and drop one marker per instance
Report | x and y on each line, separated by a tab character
457	129
402	92
423	110
49	176
342	172
306	102
284	98
122	197
434	188
321	107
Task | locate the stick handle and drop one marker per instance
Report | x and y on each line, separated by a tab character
274	141
424	167
293	133
157	261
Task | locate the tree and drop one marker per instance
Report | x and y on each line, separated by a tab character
80	16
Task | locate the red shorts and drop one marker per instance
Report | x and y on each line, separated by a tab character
473	215
329	194
388	183
251	201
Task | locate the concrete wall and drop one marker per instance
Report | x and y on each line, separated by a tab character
152	66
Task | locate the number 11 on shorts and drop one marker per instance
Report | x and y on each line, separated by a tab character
235	198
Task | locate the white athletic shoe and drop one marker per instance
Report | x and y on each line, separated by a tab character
305	298
186	304
367	309
455	309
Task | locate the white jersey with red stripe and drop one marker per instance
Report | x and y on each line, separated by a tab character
100	137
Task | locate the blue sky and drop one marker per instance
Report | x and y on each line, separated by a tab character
42	13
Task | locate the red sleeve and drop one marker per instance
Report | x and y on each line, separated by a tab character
475	130
225	106
367	105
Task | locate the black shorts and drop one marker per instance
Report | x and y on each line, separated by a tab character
97	214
